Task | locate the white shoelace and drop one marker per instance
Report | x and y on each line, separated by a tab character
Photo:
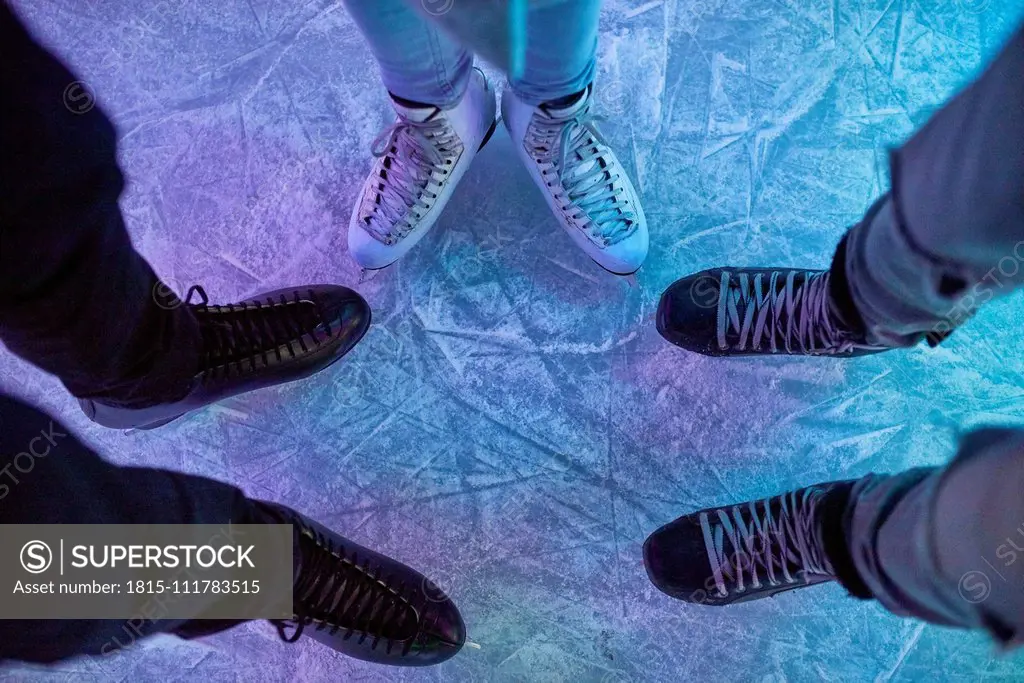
415	162
778	545
762	311
580	170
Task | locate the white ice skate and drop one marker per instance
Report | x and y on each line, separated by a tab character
420	160
582	180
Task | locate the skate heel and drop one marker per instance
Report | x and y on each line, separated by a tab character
151	425
367	274
490	132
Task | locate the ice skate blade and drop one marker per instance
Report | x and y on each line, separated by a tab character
131	431
367	274
475	646
630	278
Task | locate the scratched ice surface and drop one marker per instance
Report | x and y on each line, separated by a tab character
512	424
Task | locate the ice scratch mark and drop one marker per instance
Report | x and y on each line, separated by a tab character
230	412
796	97
708	231
644	8
586	349
902	656
860	391
586	276
896	43
869	439
229	258
562	348
256	18
384	424
714	147
815	408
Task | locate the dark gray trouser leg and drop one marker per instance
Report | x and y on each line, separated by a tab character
947	544
950	236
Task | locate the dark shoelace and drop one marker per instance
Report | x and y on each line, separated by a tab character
778	537
778	312
236	336
336	593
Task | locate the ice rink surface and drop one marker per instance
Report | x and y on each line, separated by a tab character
513	424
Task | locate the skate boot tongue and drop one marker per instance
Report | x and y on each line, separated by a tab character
567	107
563	112
569	111
414	112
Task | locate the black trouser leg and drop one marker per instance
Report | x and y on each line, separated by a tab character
76	299
47	476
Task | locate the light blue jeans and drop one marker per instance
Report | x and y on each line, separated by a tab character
425	47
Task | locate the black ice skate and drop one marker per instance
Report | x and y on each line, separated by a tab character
749	311
276	337
752	550
363	604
